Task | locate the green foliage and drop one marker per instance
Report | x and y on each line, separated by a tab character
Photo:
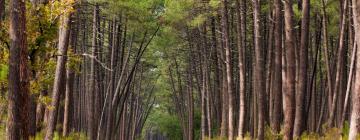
346	130
2	131
165	123
74	61
3	72
270	134
178	10
198	20
57	136
330	133
214	3
309	136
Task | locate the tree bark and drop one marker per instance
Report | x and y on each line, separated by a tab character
326	51
303	73
277	86
91	92
339	67
241	36
64	30
348	86
355	114
70	77
18	82
289	83
225	28
259	85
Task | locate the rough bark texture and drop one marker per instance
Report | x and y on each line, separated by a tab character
241	36
355	115
277	83
303	73
225	28
259	85
18	93
289	83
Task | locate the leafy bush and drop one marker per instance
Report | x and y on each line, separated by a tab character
57	136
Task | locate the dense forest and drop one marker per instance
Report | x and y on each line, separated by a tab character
179	69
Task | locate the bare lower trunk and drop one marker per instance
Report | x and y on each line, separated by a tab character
303	73
59	74
225	28
259	72
289	83
339	67
277	83
18	92
355	114
241	33
91	92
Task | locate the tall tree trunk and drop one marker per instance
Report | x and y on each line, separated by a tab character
18	93
64	30
303	73
190	107
91	92
277	83
259	85
326	51
70	79
348	86
225	28
241	35
355	114
339	67
289	83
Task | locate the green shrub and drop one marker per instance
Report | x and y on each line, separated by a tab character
57	136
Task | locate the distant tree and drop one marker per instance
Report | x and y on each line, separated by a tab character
59	81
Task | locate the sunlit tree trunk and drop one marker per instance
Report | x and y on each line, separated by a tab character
355	114
225	28
241	35
289	83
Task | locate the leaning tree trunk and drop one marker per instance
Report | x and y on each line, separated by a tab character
355	115
59	73
339	67
18	93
